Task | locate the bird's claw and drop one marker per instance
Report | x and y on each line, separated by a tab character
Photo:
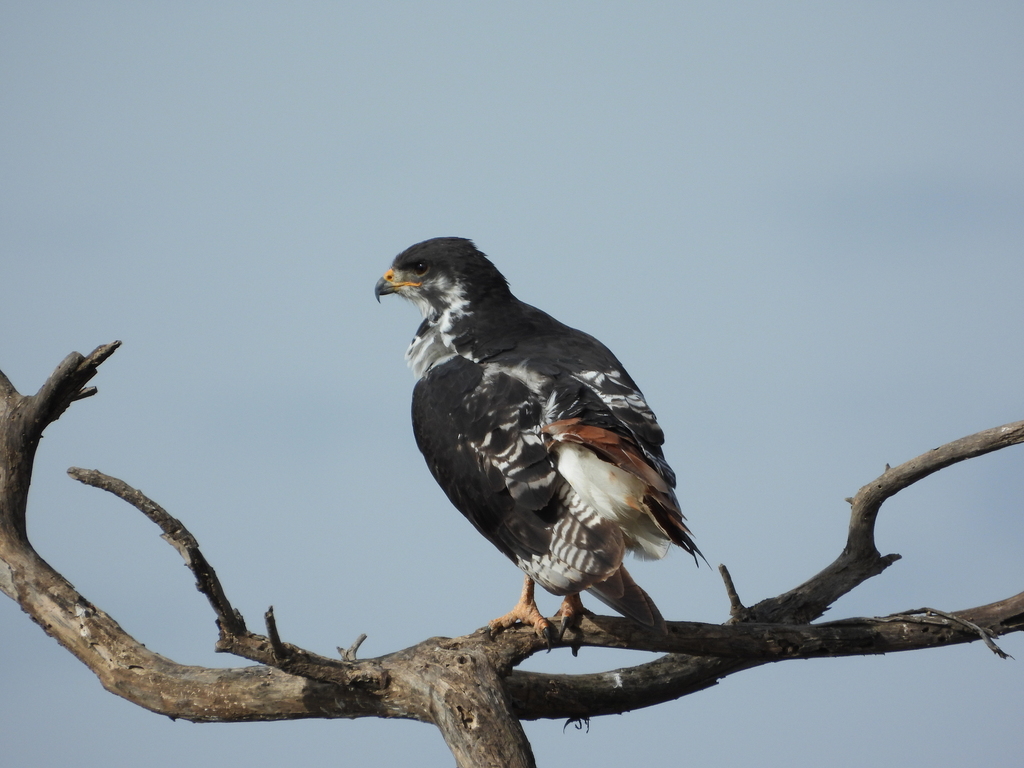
571	611
564	624
550	636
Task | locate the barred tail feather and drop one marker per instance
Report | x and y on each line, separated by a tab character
624	595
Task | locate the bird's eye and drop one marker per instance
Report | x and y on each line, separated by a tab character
420	268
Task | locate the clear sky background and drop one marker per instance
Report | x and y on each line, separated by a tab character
800	227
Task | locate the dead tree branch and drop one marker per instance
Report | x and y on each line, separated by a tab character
469	686
860	559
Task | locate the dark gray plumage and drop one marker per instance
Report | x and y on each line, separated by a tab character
535	431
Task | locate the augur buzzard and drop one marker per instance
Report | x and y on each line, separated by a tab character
537	435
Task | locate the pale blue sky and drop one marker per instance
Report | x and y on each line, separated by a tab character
799	226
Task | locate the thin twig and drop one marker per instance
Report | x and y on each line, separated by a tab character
986	635
84	393
275	639
179	537
349	654
737	611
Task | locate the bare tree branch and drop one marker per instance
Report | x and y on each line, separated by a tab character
66	383
179	537
703	654
469	686
737	611
860	560
24	420
349	654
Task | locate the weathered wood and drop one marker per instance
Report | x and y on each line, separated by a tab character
860	560
468	687
460	691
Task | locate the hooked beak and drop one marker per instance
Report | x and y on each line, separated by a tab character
382	288
388	285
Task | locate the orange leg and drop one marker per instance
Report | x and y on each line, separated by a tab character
525	612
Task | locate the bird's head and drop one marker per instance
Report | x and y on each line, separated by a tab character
446	273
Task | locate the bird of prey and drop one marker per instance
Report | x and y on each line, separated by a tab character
537	435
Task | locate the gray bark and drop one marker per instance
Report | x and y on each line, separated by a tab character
469	686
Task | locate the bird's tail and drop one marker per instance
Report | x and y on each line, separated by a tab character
621	593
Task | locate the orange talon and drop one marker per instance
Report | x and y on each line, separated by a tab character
525	612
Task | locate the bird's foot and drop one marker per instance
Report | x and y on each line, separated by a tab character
526	612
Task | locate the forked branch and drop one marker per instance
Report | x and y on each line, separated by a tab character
469	686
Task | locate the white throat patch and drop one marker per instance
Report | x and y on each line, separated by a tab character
436	343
